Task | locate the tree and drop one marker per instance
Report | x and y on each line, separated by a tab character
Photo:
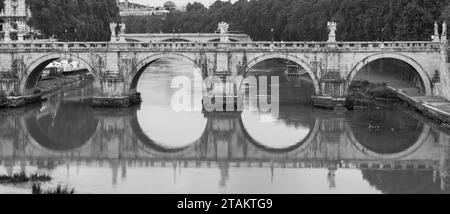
446	14
74	20
306	20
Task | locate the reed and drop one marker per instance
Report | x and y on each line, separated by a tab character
59	190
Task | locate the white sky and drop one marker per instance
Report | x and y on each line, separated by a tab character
177	2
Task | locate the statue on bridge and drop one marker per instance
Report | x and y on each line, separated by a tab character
113	27
122	28
444	32
7	30
332	27
444	28
122	32
435	36
21	30
436	29
21	27
223	28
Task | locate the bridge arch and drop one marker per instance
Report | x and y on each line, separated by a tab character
425	78
134	76
300	61
34	70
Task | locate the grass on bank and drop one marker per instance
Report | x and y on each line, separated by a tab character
23	178
372	90
3	97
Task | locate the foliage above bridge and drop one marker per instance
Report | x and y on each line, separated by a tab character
292	20
74	20
306	20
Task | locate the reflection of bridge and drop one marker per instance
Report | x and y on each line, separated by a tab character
184	37
118	66
116	138
115	134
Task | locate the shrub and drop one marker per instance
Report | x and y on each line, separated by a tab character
2	95
23	178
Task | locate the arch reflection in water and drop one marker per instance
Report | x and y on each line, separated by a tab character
294	126
386	131
69	128
169	129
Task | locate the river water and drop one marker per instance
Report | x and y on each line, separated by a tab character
151	148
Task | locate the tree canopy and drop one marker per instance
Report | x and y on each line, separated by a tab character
74	20
291	20
305	20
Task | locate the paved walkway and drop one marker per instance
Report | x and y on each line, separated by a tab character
435	102
434	107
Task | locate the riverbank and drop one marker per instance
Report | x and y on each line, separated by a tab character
433	108
45	86
362	92
52	84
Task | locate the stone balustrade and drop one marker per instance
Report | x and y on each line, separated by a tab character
193	46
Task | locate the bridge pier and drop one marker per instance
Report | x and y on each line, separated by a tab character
9	85
10	95
113	93
332	92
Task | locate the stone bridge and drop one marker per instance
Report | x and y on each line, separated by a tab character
117	66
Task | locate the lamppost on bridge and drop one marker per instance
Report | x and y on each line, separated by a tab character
65	35
173	34
381	33
271	31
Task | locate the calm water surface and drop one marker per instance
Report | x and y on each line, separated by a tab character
152	149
